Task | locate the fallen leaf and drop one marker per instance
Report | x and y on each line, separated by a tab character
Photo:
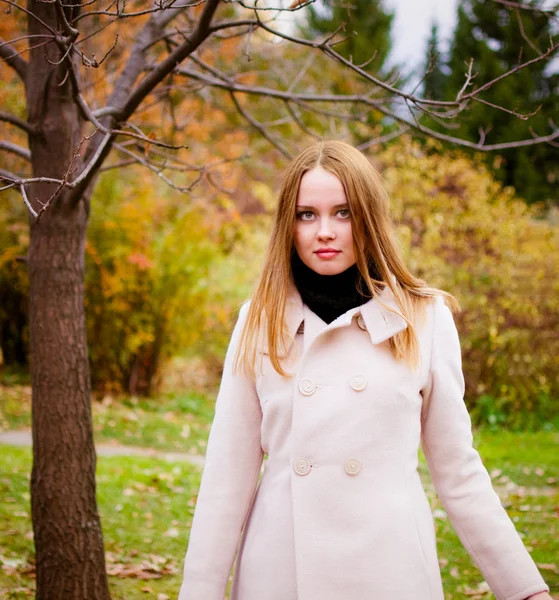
173	532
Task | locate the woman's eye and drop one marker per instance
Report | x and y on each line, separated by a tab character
344	213
305	216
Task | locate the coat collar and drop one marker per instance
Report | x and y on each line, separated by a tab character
380	323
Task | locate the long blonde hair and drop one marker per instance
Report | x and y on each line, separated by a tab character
373	241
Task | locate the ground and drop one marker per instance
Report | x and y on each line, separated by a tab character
150	453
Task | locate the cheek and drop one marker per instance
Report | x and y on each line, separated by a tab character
347	234
300	236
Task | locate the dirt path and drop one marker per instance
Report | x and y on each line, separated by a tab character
23	438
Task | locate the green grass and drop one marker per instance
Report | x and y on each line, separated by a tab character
178	422
146	504
525	471
172	421
146	509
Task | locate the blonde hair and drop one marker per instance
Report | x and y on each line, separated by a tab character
373	241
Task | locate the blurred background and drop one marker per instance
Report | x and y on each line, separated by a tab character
166	271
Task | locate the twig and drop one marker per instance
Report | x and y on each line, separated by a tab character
259	127
549	12
122	15
383	139
523	33
26	200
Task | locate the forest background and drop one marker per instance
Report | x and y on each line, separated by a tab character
169	260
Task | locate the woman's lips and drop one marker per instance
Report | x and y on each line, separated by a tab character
327	254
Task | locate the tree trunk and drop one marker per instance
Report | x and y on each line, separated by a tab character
68	539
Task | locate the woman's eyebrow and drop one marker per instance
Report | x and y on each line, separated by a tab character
305	207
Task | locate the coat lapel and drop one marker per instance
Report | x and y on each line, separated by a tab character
380	322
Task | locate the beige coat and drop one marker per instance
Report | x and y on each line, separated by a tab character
340	512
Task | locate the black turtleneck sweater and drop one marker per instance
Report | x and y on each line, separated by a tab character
329	296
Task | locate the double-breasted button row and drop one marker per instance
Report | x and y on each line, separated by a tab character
302	466
307	387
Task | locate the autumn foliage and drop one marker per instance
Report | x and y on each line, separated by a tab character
465	233
165	276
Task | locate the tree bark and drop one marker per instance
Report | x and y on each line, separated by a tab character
67	530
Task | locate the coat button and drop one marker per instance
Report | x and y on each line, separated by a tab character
302	466
361	323
352	466
358	382
307	387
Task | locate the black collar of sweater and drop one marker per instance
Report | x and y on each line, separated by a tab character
330	296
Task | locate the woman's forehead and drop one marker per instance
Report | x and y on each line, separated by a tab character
320	188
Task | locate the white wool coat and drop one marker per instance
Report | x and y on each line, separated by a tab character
340	512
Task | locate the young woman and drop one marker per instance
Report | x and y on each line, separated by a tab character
338	368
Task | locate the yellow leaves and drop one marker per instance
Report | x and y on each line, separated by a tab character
265	194
463	232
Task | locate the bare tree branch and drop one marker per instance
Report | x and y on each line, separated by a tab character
159	171
305	99
159	7
31	15
523	33
8	176
395	92
548	12
377	141
130	90
12	58
26	200
12	119
229	24
122	102
293	113
15	149
551	50
166	66
227	84
259	127
296	5
465	143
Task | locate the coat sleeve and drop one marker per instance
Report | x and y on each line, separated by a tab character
232	467
460	479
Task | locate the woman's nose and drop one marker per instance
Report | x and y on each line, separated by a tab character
325	231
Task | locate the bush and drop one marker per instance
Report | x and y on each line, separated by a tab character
148	256
463	232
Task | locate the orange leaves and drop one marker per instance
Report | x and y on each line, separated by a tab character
151	567
141	261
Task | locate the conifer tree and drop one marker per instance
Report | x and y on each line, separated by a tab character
498	39
435	80
366	25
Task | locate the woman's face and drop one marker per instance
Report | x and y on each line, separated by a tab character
323	238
